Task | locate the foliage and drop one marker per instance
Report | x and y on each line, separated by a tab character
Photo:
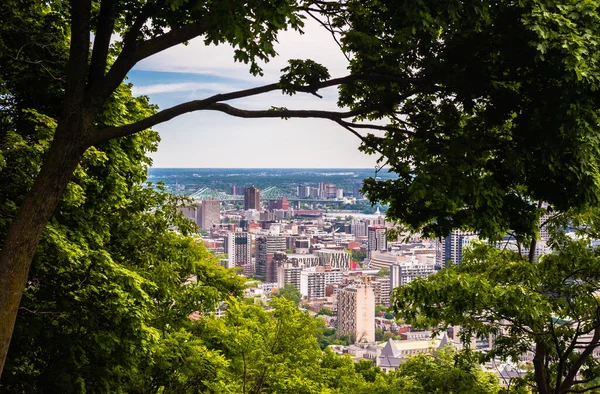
290	292
549	308
490	108
325	311
359	255
383	272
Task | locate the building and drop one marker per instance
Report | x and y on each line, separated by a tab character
382	289
303	191
337	259
267	245
252	198
356	312
239	251
454	245
405	272
280	203
330	190
358	228
314	281
288	274
209	214
376	239
395	352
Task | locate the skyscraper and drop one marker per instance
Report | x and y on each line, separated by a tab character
266	245
377	239
356	312
209	214
252	198
238	247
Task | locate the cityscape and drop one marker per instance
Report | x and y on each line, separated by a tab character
303	233
299	196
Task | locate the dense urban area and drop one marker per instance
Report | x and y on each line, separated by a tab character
302	235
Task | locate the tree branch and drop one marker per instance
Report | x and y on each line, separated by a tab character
133	53
76	68
104	29
568	382
204	104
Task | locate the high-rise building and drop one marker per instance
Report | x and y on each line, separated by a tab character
377	239
381	288
252	198
303	191
358	228
314	281
356	312
209	214
330	190
265	245
238	246
454	245
288	274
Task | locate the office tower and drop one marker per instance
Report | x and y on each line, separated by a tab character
376	239
356	312
303	191
252	198
267	245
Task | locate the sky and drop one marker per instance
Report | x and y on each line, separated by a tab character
207	139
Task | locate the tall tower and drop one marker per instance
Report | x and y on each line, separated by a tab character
356	312
267	245
209	214
252	198
377	239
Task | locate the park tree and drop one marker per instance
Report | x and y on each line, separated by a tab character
547	308
50	70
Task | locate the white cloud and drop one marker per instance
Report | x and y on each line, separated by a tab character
182	87
316	44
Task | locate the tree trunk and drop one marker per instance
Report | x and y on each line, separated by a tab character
539	365
30	221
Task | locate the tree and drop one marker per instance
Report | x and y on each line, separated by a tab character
290	292
549	308
49	68
383	272
105	308
493	108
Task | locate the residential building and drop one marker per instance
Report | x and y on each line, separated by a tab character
376	239
209	214
265	245
289	274
356	312
239	250
382	289
405	272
